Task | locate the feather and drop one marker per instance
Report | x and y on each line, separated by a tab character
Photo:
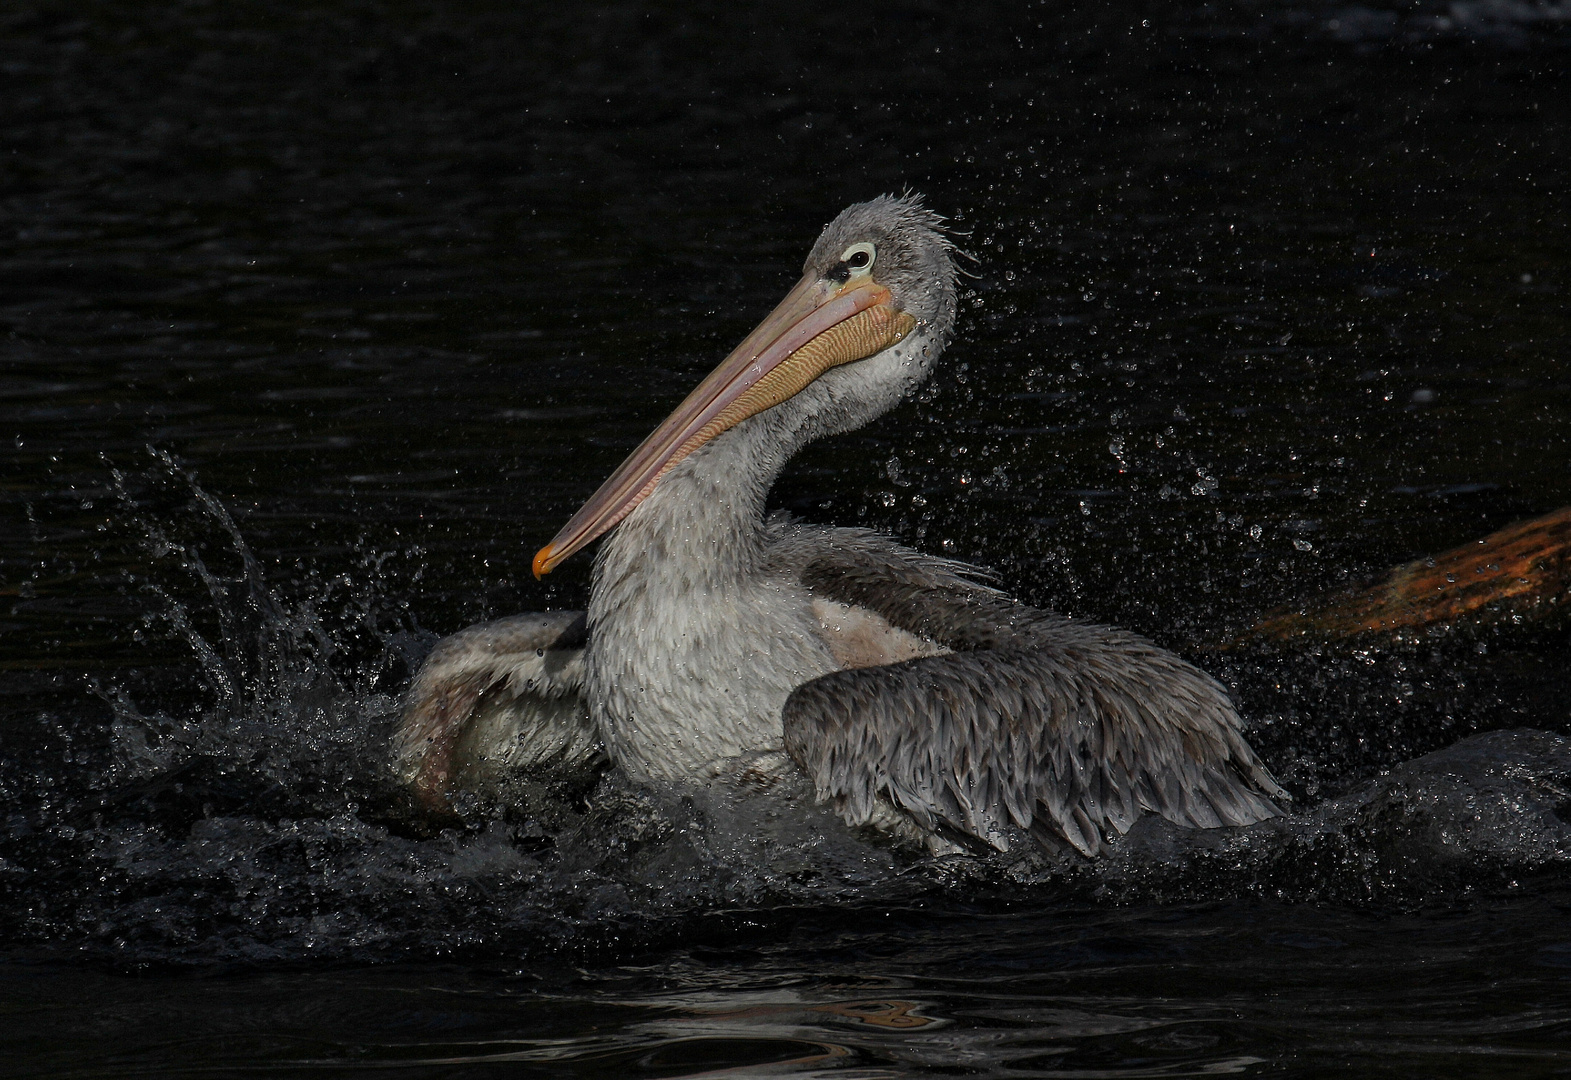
501	696
1065	728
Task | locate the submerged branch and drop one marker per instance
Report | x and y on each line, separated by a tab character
1520	574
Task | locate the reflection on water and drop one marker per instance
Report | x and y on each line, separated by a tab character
1079	992
1270	298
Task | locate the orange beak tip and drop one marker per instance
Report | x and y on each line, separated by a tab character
542	565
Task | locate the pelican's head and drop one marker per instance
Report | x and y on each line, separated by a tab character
881	275
895	243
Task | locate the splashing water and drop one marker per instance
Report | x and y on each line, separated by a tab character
263	822
267	824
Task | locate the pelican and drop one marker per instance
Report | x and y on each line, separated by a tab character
916	698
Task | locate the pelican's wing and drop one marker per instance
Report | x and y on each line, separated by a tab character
1034	721
494	699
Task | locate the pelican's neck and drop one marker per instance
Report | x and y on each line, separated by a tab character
703	525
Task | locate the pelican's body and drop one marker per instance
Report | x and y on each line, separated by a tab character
717	639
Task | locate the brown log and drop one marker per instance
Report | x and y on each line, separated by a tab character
1521	573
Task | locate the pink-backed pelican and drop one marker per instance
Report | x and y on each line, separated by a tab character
721	642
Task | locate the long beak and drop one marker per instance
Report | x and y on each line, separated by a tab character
816	327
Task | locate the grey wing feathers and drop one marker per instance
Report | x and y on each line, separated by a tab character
938	598
1036	722
498	697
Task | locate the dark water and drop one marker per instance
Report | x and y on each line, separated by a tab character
319	319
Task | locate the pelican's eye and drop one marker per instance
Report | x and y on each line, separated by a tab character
859	258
